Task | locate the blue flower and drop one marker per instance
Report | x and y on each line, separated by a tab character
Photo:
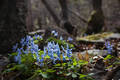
109	47
37	57
22	42
45	52
15	47
18	57
63	57
36	36
53	32
61	38
67	51
40	37
70	39
56	34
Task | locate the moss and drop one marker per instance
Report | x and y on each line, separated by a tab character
96	36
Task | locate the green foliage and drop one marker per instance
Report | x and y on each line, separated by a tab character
68	70
108	57
30	69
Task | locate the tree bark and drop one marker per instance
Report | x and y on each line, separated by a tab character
12	23
96	21
65	20
29	20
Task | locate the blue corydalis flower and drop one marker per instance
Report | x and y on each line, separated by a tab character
18	57
22	42
56	34
45	52
68	51
37	37
63	57
109	47
61	38
70	39
15	47
40	37
53	32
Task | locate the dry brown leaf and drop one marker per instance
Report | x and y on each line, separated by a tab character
80	56
86	56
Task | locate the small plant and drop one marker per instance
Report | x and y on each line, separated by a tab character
55	61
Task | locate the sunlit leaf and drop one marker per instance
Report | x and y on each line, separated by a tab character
50	70
74	75
82	76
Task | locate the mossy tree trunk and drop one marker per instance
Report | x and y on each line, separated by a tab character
96	21
65	19
12	23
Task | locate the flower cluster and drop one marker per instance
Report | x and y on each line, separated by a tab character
109	47
70	39
55	53
27	46
53	50
54	33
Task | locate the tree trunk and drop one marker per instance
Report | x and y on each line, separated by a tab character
65	20
29	20
96	21
12	23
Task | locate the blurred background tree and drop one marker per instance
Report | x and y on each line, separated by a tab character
69	16
12	23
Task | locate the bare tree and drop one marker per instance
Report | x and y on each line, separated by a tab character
65	19
29	20
12	23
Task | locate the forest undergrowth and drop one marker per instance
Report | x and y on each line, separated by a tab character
55	58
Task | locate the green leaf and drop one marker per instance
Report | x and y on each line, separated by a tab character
60	72
82	76
36	41
74	75
55	55
108	57
68	74
116	63
44	75
56	65
12	54
74	62
38	71
82	62
47	57
50	70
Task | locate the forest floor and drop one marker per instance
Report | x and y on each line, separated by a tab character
101	51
